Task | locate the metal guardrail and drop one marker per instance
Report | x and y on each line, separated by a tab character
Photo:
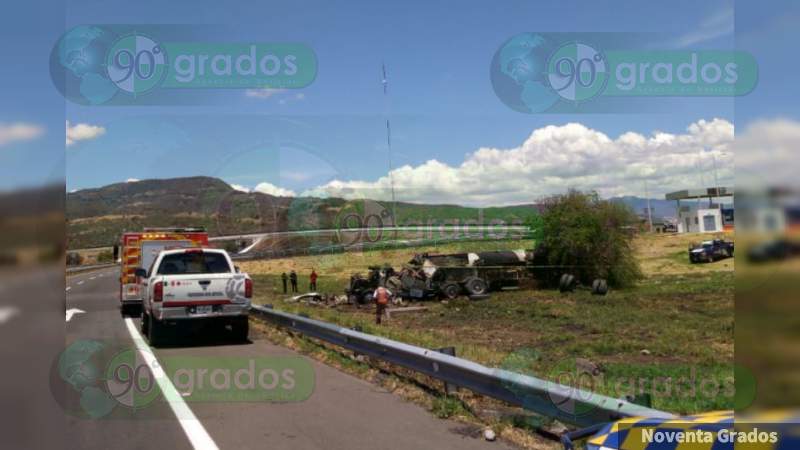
363	246
73	269
573	406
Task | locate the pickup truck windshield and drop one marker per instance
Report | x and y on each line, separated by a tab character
193	263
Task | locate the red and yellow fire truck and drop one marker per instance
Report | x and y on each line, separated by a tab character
140	249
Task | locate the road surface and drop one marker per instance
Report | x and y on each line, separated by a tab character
343	412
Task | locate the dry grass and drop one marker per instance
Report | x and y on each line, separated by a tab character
679	319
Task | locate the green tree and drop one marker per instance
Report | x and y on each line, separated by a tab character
593	237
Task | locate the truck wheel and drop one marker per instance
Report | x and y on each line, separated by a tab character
241	329
599	287
451	291
155	331
567	283
475	286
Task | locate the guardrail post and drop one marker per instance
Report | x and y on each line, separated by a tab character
360	330
449	389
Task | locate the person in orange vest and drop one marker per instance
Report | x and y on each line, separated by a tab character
382	297
312	285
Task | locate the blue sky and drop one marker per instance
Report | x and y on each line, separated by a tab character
441	101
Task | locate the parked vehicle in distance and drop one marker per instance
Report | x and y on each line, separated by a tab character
140	249
710	251
194	287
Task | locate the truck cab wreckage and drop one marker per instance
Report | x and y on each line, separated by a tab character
448	276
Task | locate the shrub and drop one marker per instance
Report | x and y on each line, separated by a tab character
590	235
105	256
74	259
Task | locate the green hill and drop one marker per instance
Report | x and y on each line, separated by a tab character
96	217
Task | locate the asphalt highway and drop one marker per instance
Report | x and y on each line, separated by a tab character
342	412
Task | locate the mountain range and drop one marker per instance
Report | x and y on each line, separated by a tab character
96	217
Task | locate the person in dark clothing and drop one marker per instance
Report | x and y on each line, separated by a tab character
284	279
293	279
312	285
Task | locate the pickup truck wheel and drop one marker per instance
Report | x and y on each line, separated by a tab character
145	323
240	328
155	331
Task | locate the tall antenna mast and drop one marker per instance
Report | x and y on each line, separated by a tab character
649	210
385	83
716	180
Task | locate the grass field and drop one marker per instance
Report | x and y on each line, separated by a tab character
670	336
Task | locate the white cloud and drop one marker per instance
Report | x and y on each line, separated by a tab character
714	26
555	158
83	132
132	180
19	131
296	175
282	95
240	188
766	153
263	93
271	189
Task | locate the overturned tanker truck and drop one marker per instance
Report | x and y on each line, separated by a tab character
448	276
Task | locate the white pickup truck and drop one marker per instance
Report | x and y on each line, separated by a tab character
194	286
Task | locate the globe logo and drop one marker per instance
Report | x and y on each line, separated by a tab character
77	65
79	367
92	65
533	72
90	379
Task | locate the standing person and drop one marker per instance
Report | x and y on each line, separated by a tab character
312	281
284	279
293	279
382	297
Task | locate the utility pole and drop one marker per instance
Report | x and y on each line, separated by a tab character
716	180
649	211
385	83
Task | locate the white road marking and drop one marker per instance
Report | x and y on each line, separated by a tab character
80	282
7	312
69	287
198	436
92	278
72	311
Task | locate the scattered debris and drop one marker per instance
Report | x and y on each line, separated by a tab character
391	311
586	366
317	299
645	352
557	428
489	435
